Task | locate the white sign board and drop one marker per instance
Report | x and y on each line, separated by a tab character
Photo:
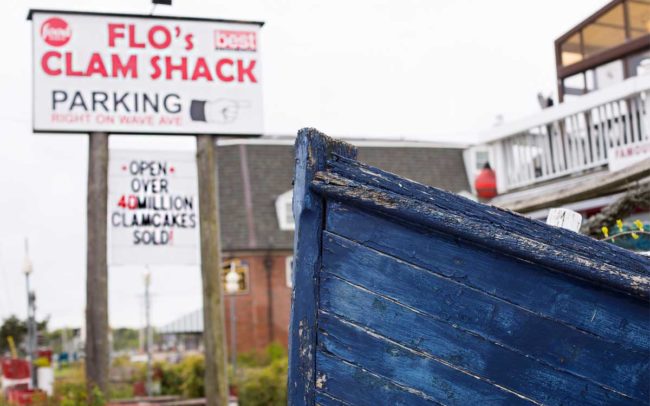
144	74
153	214
628	155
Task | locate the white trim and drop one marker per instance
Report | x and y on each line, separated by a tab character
284	212
619	91
379	143
288	271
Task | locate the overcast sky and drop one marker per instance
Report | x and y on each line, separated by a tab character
426	69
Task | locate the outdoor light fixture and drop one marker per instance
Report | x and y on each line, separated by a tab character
232	280
163	2
27	266
27	263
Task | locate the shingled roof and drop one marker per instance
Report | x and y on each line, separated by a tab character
248	217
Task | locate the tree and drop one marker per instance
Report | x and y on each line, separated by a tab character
125	339
13	327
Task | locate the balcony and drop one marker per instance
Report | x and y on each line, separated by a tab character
603	130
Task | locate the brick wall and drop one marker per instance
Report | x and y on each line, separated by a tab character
262	314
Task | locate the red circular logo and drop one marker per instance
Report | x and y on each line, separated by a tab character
56	32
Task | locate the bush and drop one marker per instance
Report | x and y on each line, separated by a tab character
192	376
265	386
171	380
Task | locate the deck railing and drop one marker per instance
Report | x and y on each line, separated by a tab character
573	137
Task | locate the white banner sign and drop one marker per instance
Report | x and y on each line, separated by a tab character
628	155
132	74
153	214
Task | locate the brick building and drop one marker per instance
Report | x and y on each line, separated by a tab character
255	182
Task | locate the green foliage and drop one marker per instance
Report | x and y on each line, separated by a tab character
70	386
192	375
14	327
265	386
97	398
171	378
254	358
70	394
125	339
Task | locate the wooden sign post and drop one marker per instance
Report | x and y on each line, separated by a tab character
216	387
97	351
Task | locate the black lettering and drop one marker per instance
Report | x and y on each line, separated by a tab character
58	96
78	101
117	101
172	106
100	100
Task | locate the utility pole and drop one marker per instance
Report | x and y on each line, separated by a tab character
216	384
147	306
97	349
31	314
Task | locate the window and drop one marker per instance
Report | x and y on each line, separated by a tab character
606	32
241	267
288	271
639	16
283	209
571	50
482	157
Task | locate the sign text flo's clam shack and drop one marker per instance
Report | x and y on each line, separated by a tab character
139	74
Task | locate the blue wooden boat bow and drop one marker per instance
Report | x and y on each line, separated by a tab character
405	294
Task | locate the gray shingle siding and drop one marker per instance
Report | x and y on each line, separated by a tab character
270	170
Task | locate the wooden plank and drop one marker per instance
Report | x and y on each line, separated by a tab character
356	386
590	264
491	217
415	370
549	341
515	372
323	399
312	151
617	318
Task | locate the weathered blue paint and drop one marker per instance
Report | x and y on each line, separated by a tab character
408	295
312	151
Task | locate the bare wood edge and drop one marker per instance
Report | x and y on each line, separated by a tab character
606	181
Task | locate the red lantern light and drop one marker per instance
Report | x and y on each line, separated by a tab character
486	183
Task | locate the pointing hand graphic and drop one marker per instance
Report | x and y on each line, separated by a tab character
220	111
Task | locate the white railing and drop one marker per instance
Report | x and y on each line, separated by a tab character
571	138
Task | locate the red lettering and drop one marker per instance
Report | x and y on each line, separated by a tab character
45	63
245	71
133	202
132	41
114	34
170	68
69	71
96	65
220	74
156	68
167	37
122	202
201	70
130	69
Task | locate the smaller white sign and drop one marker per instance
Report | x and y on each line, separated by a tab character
153	214
628	155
